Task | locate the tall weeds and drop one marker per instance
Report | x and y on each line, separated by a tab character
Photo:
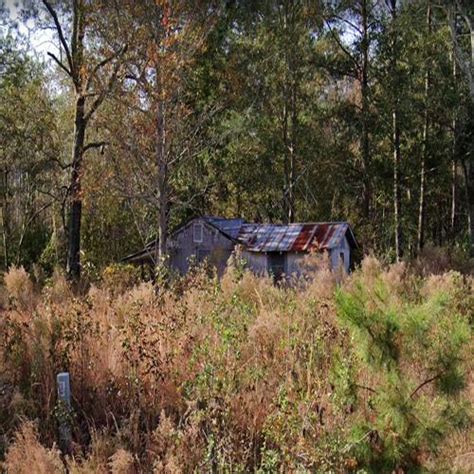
241	375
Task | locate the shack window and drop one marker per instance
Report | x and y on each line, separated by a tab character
341	259
197	233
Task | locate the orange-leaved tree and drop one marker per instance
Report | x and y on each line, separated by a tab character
164	125
92	69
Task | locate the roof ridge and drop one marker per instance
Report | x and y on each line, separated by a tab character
297	223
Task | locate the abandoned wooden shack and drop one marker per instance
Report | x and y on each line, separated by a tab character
211	238
281	249
267	248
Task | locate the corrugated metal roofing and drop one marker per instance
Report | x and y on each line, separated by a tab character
231	227
293	237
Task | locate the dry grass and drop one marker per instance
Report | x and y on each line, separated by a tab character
19	288
207	376
26	453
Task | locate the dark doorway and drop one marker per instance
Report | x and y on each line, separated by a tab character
277	265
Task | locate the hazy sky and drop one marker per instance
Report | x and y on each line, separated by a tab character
42	41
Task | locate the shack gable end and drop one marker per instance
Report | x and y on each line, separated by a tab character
199	240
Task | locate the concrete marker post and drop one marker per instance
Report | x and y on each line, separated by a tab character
64	402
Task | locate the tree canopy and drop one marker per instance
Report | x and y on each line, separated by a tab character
147	113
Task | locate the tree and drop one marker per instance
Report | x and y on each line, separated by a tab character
464	10
165	122
27	155
425	138
401	362
358	19
392	4
90	87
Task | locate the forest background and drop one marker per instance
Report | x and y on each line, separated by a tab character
121	120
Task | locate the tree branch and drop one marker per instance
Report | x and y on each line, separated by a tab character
461	58
63	166
94	145
62	39
352	25
103	94
60	64
343	48
103	63
366	388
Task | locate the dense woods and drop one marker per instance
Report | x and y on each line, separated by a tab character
132	117
122	119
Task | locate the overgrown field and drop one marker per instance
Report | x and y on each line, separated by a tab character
372	374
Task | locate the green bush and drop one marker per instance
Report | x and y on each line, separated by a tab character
120	277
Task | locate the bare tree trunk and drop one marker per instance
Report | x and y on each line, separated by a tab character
365	111
396	137
424	151
286	160
162	185
292	167
468	170
396	184
75	211
5	221
464	10
290	117
454	165
285	133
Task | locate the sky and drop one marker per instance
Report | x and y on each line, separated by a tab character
42	41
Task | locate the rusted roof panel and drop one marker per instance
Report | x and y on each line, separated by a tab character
292	237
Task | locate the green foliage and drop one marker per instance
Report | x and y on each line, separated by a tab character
412	351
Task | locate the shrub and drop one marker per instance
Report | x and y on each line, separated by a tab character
19	287
119	277
437	260
367	374
412	355
26	454
122	462
58	288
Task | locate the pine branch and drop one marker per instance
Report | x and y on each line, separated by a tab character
426	382
343	48
366	388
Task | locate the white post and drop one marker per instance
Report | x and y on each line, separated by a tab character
64	403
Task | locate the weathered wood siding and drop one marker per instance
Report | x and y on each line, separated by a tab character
214	246
293	263
257	262
208	242
336	256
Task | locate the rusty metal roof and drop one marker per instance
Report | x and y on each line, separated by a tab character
294	237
